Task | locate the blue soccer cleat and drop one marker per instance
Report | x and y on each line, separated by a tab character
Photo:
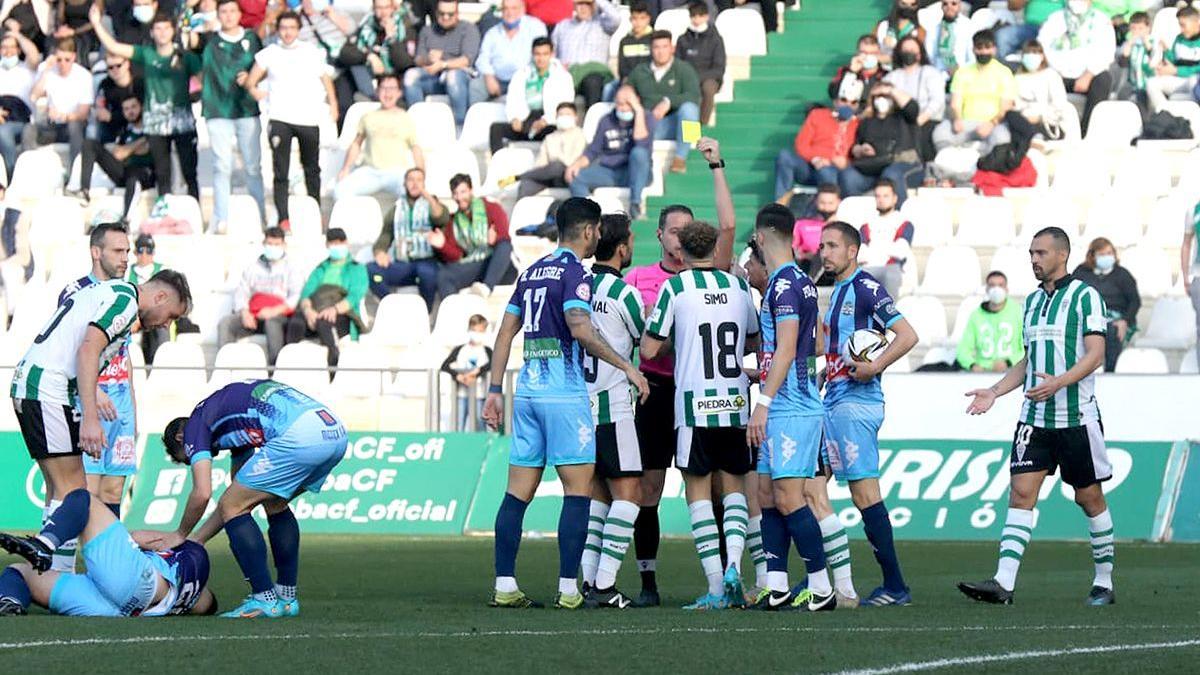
735	595
882	597
253	608
290	607
709	601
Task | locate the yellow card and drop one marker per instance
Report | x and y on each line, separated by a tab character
691	131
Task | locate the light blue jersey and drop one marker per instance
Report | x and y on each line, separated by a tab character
792	296
858	302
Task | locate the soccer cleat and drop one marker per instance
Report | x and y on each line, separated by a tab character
10	607
647	598
800	586
847	601
807	601
882	597
253	608
755	595
513	600
290	607
735	595
611	598
565	601
1100	596
709	601
988	590
32	549
775	601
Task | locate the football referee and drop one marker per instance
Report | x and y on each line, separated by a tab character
1059	427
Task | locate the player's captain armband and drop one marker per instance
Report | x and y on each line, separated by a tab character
1096	323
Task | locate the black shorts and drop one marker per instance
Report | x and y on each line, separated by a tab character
49	429
655	421
703	450
617	453
1079	451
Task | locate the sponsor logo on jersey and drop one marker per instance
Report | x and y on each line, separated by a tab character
584	291
871	285
715	405
810	291
1045	332
847	309
781	287
543	348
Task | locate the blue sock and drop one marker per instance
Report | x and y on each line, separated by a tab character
250	551
115	508
879	533
12	585
508	534
69	520
284	532
572	535
806	535
775	539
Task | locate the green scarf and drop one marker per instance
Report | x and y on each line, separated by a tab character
902	33
409	226
946	45
472	233
533	89
1075	26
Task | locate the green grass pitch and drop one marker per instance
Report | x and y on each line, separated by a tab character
390	604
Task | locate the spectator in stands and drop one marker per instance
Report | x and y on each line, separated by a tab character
559	150
386	139
949	43
505	49
1029	16
67	88
992	340
701	45
671	88
16	257
128	163
634	48
131	19
198	25
980	95
330	299
899	23
1103	271
301	88
167	113
118	85
446	52
230	112
806	236
404	249
329	30
16	83
657	7
619	153
1189	264
888	222
475	249
465	363
914	76
257	15
581	43
550	12
1179	70
863	67
533	99
385	36
886	145
1137	57
1080	45
821	148
31	18
144	267
769	12
265	296
1041	96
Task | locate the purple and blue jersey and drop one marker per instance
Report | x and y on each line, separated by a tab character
857	303
187	572
792	296
244	415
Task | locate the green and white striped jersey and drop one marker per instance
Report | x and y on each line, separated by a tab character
48	371
617	317
708	314
1055	325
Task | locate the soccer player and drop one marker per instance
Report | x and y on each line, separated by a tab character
709	316
552	422
1060	424
281	443
854	397
786	424
655	417
122	579
617	318
54	392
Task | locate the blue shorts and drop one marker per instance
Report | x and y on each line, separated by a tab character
299	459
121	579
852	439
119	457
555	432
792	447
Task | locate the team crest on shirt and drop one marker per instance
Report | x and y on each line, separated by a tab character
584	291
847	309
119	323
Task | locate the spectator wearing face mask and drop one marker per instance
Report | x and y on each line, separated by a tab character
581	43
265	296
865	67
821	149
1041	96
889	235
465	363
992	340
619	154
925	84
16	83
559	150
1102	270
330	299
886	145
131	19
806	235
981	94
1138	56
899	24
1080	45
703	47
949	43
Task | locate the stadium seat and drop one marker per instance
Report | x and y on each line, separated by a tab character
304	216
36	175
350	123
529	211
856	210
612	199
55	218
478	124
303	365
1166	26
360	217
1151	267
244	223
178	366
943	354
1114	124
1116	216
506	163
951	270
1048	208
1167	219
100	180
591	119
1144	173
1014	262
900	365
1172	324
442	165
962	316
1081	172
31	311
435	122
1189	364
1189	174
931	219
450	328
1188	110
238	361
926	315
1141	361
614	40
675	20
361	371
929	16
400	321
743	31
986	221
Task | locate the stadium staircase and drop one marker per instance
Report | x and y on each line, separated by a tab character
767	110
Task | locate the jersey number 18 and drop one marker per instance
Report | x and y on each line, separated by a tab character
720	350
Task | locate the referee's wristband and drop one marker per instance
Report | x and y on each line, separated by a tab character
764	400
495	389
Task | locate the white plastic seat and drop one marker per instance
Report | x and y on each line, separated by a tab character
356	374
244	224
1115	216
614	40
37	174
951	270
178	366
743	31
304	216
303	365
400	321
435	122
185	208
1050	208
1151	267
591	119
926	315
1172	324
1142	361
1014	263
56	217
350	125
505	163
529	211
1081	172
986	221
238	361
1114	124
962	316
442	165
931	219
450	328
1188	110
675	20
1167	219
1189	365
944	354
478	124
1145	174
856	210
360	217
612	199
1166	25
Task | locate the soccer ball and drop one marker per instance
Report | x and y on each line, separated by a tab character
864	345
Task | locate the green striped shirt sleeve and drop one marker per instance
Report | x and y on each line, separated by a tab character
1093	313
116	316
662	319
632	301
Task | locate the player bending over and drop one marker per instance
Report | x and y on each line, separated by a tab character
54	388
1065	325
281	443
552	423
122	579
854	397
708	315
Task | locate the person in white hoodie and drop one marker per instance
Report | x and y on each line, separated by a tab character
1080	45
533	97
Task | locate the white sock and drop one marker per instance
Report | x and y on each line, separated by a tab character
818	582
1018	530
778	581
567	586
837	554
708	544
735	521
506	584
618	532
1101	530
285	592
757	555
64	556
597	512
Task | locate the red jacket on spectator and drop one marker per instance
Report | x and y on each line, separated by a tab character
824	136
550	11
253	13
992	184
451	252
